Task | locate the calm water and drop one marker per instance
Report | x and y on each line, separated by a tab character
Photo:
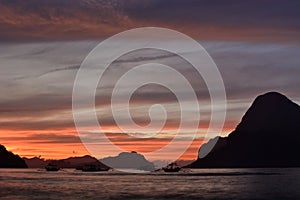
197	184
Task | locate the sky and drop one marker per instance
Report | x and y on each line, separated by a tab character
255	45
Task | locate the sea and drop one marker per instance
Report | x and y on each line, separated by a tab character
271	184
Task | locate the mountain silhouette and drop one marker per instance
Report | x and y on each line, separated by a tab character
36	162
129	160
267	136
10	160
71	162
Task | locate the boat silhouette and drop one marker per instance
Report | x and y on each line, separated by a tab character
172	167
93	168
52	167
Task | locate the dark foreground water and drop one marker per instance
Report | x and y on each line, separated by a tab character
270	184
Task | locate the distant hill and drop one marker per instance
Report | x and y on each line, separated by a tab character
71	162
126	160
10	160
267	136
36	162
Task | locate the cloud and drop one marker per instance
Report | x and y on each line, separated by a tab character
39	105
47	19
52	19
48	138
75	67
43	97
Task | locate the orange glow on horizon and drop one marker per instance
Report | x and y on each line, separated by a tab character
28	144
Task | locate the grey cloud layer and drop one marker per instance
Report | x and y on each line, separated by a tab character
34	19
42	98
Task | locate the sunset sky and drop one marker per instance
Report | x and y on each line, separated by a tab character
255	44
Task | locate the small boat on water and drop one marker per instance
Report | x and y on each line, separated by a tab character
52	167
93	168
173	167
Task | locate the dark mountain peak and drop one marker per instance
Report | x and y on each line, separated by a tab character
2	149
271	100
10	160
272	111
272	95
267	136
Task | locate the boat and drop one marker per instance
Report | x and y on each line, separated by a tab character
93	168
52	167
173	167
78	168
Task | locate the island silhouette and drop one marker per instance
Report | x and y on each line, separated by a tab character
71	162
267	136
129	160
10	160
